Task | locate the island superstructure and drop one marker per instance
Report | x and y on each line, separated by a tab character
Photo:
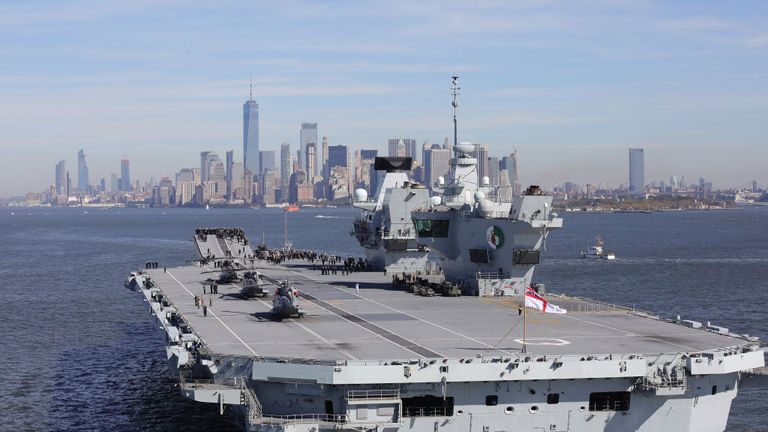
384	228
364	355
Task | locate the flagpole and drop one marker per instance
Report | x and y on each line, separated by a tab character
525	321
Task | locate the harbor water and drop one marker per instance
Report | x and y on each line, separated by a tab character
81	353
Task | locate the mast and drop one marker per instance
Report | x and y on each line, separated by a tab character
285	228
525	320
455	93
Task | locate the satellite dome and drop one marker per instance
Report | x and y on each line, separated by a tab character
436	200
361	195
441	180
486	207
464	148
479	196
486	181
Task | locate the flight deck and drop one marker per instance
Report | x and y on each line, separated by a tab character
381	322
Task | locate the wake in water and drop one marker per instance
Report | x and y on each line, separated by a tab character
331	217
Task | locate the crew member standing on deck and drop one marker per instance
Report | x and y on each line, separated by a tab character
205	310
357	288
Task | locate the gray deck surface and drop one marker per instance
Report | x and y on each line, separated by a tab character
384	323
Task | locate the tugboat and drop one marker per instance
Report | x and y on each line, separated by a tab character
596	251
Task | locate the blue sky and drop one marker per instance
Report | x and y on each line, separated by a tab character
570	84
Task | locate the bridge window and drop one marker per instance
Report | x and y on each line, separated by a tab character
432	227
553	398
609	401
491	400
526	257
427	406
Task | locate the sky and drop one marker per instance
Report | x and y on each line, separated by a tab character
570	84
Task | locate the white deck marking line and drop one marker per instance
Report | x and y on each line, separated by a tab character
412	316
315	334
364	328
214	315
438	326
630	334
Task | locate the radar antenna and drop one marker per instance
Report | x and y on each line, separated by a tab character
455	92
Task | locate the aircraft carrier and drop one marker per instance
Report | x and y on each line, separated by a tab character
380	358
337	346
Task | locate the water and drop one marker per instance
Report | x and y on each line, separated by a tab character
80	352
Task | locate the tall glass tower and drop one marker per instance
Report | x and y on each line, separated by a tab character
251	135
82	172
125	175
636	170
307	136
286	168
61	177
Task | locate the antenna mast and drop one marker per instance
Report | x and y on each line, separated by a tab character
250	90
455	92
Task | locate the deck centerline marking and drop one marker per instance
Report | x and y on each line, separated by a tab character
413	316
378	336
381	331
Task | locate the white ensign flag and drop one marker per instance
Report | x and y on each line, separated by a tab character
535	301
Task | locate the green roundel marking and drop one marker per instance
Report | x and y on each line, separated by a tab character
495	237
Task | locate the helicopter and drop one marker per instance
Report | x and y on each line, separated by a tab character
285	302
227	269
253	285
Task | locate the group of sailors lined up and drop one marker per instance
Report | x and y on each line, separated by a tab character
236	234
150	265
332	264
328	264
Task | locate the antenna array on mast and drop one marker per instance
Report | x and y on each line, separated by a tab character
455	93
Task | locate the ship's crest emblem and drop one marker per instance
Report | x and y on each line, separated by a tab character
495	237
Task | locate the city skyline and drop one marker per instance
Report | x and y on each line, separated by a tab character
575	88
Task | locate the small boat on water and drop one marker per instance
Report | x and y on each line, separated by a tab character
596	251
292	208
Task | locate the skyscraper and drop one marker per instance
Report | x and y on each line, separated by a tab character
286	168
493	170
238	180
125	175
636	170
61	177
395	147
267	160
324	160
230	160
410	148
436	164
400	147
251	135
307	136
311	162
204	156
481	154
114	183
83	184
337	156
510	164
212	174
